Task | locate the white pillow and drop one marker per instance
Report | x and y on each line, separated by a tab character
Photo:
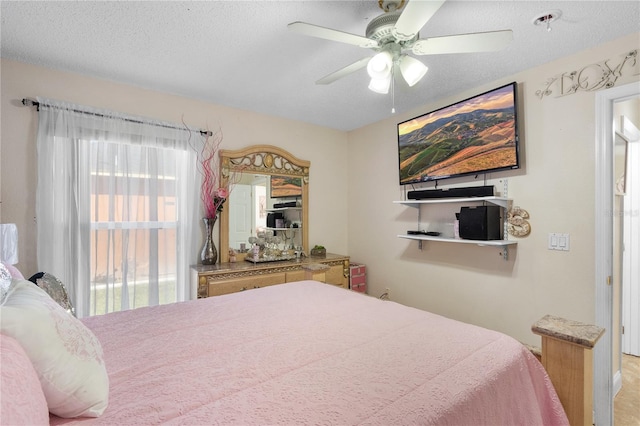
65	353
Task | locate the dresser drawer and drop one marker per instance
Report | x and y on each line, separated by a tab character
233	285
295	276
336	276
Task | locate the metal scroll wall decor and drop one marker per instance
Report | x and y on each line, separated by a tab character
601	75
260	162
517	223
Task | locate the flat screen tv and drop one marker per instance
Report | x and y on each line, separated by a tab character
474	136
286	186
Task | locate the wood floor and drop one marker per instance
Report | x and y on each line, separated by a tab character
626	406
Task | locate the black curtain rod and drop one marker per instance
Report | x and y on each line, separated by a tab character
31	102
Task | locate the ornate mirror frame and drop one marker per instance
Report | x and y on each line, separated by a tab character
265	160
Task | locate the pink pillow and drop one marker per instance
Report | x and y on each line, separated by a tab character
15	272
22	401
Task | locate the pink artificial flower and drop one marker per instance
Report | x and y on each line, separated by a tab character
222	193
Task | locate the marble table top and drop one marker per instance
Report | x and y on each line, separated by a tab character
571	331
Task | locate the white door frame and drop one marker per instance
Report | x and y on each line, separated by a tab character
630	292
603	377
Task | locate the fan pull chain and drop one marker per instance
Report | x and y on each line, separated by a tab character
393	92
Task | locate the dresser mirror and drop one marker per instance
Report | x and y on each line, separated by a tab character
269	198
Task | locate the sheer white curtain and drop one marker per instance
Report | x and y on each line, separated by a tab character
117	207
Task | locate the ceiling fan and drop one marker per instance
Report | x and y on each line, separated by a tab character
395	33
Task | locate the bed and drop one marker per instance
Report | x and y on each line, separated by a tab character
312	353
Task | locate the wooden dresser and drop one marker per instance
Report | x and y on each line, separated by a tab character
223	278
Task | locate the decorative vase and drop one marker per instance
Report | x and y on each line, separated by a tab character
209	254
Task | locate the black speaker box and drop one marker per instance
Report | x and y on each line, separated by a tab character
464	192
271	219
283	205
480	223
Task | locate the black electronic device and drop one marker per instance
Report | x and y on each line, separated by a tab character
283	205
429	233
271	219
480	223
464	192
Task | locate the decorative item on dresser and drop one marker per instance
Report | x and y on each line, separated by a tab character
209	254
318	251
224	278
213	192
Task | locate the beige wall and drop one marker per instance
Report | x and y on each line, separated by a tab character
325	148
556	186
354	181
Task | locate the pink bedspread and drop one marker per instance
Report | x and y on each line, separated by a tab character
311	353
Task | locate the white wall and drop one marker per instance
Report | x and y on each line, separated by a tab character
325	148
556	186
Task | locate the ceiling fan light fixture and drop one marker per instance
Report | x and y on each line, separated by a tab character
412	70
380	65
380	85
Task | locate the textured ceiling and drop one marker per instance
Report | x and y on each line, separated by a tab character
241	54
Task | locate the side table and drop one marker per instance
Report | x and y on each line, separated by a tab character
568	358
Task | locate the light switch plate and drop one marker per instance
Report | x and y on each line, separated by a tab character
559	241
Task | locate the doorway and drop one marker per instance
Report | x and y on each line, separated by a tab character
627	139
604	236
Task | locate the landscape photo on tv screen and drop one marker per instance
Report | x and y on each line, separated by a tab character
286	186
469	137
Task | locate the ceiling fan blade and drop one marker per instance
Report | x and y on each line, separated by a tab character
415	14
344	71
331	34
464	43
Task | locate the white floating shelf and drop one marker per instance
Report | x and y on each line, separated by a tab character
492	243
499	201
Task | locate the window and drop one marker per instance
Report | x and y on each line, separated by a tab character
133	226
117	207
